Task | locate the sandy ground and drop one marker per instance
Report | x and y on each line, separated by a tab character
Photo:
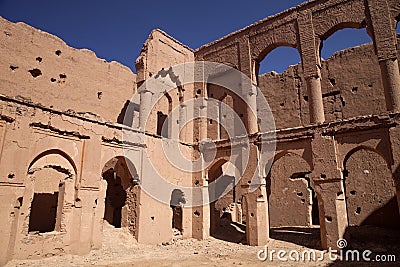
120	249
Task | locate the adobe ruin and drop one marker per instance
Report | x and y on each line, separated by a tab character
64	173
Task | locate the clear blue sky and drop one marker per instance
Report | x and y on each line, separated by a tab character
116	30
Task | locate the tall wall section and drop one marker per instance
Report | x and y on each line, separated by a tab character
41	68
351	86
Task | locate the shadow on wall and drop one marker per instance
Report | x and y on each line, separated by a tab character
379	233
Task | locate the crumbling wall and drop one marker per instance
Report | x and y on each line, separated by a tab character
369	198
289	192
41	68
159	53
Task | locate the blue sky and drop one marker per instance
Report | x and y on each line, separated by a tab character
116	30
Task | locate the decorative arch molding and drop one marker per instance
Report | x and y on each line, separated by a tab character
283	153
364	147
111	163
52	152
263	43
346	15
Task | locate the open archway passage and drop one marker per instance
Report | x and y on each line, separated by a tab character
115	199
279	59
226	212
293	206
122	194
176	203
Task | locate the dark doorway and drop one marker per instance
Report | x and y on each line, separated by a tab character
161	128
115	199
43	212
314	209
176	204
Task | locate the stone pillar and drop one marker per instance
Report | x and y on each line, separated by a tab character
391	83
310	62
251	108
257	220
145	108
203	120
332	212
201	213
315	102
327	178
182	121
385	42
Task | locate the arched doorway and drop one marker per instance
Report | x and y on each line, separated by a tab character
225	211
370	191
122	194
293	205
176	203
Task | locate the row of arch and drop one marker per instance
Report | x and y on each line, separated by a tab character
294	201
51	202
305	29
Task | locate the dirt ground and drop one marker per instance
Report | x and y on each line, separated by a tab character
120	249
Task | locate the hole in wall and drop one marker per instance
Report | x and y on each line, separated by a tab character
323	176
332	81
35	72
305	98
197	182
11	175
196	213
354	89
198	91
300	194
352	192
58	52
53	80
99	94
251	214
303	201
358	210
328	218
39	59
282	104
63	76
13	67
152	218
